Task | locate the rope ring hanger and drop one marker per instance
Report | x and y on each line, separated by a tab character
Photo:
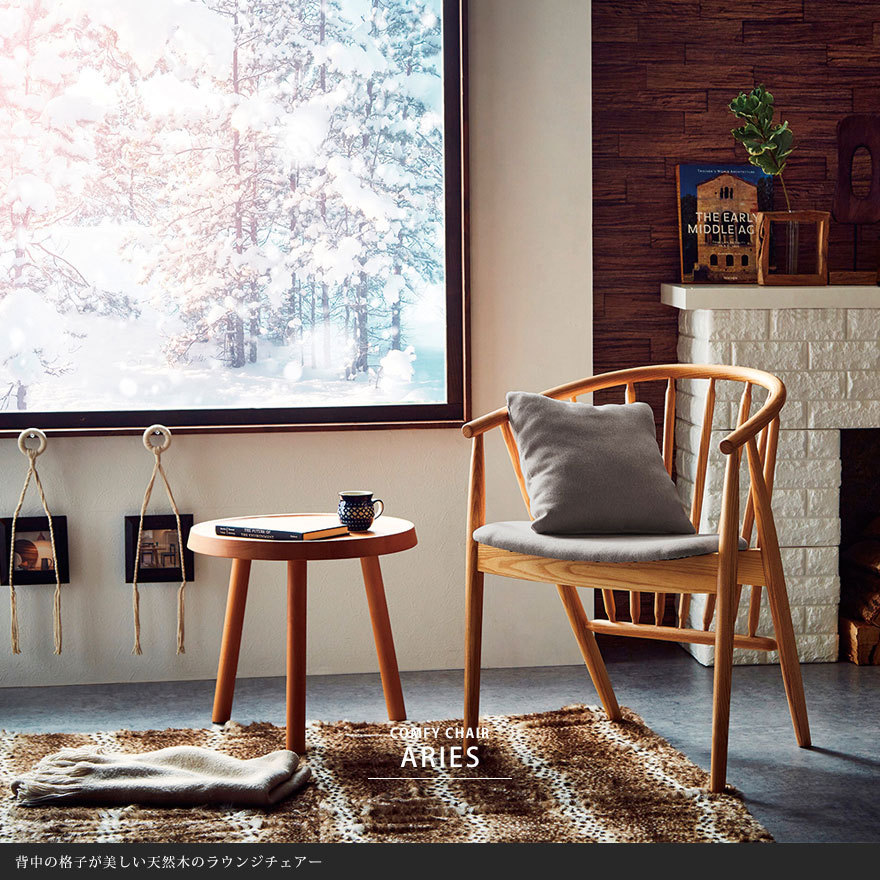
32	434
32	454
157	449
157	431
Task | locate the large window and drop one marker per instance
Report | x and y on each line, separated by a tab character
230	213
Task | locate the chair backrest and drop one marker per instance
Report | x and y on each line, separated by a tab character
763	425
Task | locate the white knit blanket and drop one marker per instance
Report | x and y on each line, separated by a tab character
179	776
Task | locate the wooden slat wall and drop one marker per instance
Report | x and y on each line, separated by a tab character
663	73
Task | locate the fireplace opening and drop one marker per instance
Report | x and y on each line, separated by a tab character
860	546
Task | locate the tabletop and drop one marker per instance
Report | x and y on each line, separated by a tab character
388	534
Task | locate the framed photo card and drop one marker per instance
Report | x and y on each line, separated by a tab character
33	560
160	548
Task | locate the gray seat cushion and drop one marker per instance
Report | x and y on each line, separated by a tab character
520	537
593	470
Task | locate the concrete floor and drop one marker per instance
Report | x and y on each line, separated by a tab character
830	793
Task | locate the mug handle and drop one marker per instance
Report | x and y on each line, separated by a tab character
381	509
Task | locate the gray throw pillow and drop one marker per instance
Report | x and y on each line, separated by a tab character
594	469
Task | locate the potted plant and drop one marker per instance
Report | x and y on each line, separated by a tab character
769	145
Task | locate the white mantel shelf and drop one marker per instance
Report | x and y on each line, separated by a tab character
689	297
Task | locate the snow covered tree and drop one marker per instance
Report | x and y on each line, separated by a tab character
51	178
272	172
388	169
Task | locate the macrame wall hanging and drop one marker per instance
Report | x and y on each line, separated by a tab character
33	434
150	437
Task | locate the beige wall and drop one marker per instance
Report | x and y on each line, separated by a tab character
531	328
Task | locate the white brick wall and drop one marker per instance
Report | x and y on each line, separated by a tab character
829	360
810	324
788	355
863	324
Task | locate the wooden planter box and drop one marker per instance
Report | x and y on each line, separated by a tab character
822	219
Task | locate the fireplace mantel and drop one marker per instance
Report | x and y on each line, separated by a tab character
753	296
824	343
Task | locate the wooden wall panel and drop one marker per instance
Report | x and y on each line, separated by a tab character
663	74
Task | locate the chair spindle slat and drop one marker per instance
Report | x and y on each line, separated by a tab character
669	425
608	602
684	604
749	516
745	405
608	595
684	608
709	611
767	453
659	608
703	457
513	452
668	453
635	599
754	609
635	606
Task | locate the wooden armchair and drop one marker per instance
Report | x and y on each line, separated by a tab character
719	575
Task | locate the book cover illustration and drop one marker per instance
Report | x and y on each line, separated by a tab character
717	231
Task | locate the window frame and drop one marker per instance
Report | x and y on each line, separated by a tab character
451	414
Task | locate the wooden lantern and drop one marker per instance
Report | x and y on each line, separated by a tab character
822	220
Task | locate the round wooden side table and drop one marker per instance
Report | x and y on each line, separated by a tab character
387	535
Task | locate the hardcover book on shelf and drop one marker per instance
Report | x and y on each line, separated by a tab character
274	528
717	205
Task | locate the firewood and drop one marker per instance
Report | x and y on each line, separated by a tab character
859	642
860	594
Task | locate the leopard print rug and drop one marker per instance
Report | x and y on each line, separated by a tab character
564	776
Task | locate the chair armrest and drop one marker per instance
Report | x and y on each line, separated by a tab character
484	423
756	423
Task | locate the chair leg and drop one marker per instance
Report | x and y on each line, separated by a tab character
473	644
787	646
778	597
586	640
726	594
726	620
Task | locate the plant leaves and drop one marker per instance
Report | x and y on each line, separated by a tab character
766	161
782	138
768	145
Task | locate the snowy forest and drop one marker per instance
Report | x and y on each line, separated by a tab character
221	204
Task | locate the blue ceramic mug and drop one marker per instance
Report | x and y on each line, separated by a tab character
357	509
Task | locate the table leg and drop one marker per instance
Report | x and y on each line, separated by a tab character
384	640
296	656
231	641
